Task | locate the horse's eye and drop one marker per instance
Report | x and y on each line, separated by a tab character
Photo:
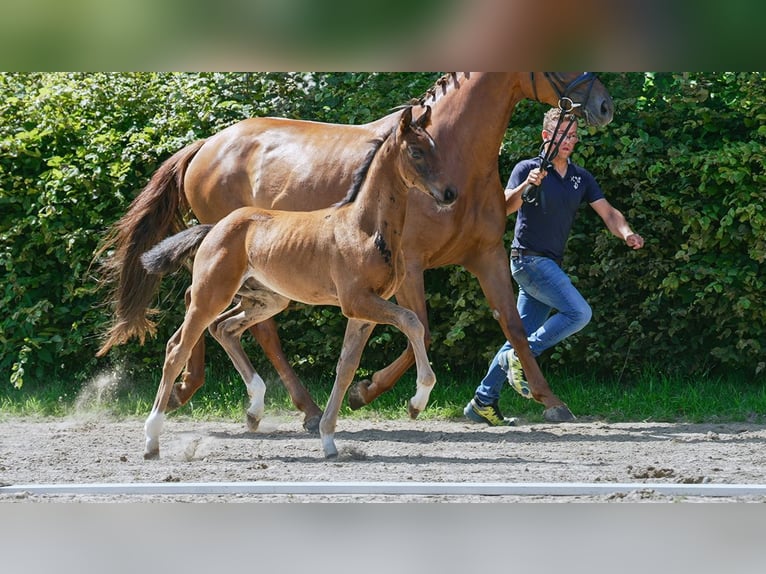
415	153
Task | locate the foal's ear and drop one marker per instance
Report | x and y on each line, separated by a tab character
406	120
425	119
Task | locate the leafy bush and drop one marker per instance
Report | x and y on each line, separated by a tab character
684	160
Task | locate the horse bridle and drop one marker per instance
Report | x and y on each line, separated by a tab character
550	149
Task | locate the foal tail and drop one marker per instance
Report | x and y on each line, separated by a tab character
172	252
154	214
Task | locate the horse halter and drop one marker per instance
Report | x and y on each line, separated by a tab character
550	149
565	102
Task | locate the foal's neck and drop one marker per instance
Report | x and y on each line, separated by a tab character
382	203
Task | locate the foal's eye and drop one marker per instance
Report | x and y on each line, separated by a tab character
415	153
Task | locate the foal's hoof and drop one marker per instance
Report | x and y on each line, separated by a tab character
252	422
355	399
413	412
152	455
329	448
559	414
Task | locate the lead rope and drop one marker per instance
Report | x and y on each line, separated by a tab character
532	194
549	149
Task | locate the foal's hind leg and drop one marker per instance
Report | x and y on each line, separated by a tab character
177	352
265	333
227	330
193	376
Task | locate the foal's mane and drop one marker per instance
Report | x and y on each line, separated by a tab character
360	175
440	88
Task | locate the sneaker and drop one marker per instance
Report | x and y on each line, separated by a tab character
488	414
510	363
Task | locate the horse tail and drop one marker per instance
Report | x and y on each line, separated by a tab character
154	214
171	253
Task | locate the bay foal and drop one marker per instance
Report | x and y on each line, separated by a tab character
348	255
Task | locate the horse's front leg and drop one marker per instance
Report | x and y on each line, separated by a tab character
357	334
492	270
411	295
265	333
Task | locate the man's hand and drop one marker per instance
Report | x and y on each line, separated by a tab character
536	176
635	241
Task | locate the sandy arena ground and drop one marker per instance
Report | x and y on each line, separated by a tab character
97	449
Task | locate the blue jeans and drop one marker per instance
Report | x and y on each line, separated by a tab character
543	287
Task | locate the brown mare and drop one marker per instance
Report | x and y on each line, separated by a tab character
348	255
301	165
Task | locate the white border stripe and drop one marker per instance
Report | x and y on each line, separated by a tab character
392	488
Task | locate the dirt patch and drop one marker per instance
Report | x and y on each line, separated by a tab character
97	449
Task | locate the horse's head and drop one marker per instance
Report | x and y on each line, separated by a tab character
578	92
420	162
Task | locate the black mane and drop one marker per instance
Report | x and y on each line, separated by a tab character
440	85
360	175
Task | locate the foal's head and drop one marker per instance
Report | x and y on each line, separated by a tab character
419	162
411	151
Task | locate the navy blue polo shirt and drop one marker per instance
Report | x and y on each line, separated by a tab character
545	228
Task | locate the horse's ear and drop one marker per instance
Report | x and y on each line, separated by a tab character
425	119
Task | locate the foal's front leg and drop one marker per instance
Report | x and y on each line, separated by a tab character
379	310
357	333
409	324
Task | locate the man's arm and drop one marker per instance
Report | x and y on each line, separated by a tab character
513	196
616	223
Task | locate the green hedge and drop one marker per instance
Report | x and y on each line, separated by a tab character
683	159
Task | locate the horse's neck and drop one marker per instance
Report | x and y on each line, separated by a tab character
470	120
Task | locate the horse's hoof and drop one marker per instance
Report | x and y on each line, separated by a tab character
311	424
413	412
252	422
152	455
355	399
559	414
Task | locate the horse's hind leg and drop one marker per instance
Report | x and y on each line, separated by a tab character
364	392
227	330
357	333
265	333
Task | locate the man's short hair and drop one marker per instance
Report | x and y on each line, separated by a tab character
551	119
